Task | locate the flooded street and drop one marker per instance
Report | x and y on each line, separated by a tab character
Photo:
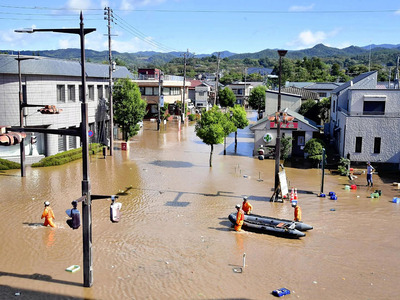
175	241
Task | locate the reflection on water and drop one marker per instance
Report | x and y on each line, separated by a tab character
175	241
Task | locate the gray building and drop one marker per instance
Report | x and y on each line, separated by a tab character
56	82
364	121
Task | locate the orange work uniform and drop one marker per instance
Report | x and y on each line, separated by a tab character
247	207
49	216
297	214
239	220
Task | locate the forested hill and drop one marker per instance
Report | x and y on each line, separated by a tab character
383	54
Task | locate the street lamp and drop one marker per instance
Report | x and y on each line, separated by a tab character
86	204
160	98
281	53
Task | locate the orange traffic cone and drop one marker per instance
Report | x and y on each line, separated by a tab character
295	194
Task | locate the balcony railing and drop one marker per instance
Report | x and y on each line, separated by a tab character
369	113
153	77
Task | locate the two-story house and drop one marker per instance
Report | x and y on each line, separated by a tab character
364	121
47	81
151	82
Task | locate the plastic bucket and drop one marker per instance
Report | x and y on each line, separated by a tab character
353	187
333	197
347	188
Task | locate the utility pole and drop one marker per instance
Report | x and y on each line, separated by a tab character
21	113
160	97
216	81
108	12
184	86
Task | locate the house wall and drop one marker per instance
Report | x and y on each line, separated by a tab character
263	128
42	90
354	124
287	101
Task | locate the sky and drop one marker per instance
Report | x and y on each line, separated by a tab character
201	26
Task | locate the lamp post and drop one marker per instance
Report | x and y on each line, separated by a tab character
86	204
160	98
281	53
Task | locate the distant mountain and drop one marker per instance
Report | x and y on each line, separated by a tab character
151	58
385	46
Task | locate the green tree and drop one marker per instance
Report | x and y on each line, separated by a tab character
239	119
314	149
129	108
257	98
286	147
211	128
226	97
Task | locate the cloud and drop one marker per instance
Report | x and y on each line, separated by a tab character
301	8
79	4
132	4
308	38
397	12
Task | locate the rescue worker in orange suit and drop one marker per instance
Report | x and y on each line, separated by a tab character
48	215
246	206
297	212
239	218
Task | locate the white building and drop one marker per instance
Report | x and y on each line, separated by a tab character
365	121
301	130
56	82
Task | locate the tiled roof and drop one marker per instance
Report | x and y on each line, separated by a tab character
36	65
305	94
323	86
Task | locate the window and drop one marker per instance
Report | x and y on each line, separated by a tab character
24	93
61	143
374	108
334	106
166	91
322	94
202	94
71	142
377	145
71	93
148	91
240	91
100	92
107	91
358	144
91	92
60	93
142	90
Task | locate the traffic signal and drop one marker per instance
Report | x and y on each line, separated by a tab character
11	138
75	221
33	139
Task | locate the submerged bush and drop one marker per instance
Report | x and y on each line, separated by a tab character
66	157
8	165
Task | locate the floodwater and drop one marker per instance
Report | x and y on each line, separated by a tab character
174	240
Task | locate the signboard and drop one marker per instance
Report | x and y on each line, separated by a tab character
289	125
267	138
162	101
283	182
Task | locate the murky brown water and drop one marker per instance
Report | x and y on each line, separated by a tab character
174	240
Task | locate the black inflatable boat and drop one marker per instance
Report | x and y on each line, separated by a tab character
262	225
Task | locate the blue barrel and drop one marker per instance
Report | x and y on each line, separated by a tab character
332	193
333	197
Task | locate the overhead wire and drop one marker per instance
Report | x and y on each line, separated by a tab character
131	29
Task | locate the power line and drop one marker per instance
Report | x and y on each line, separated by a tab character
136	32
375	11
